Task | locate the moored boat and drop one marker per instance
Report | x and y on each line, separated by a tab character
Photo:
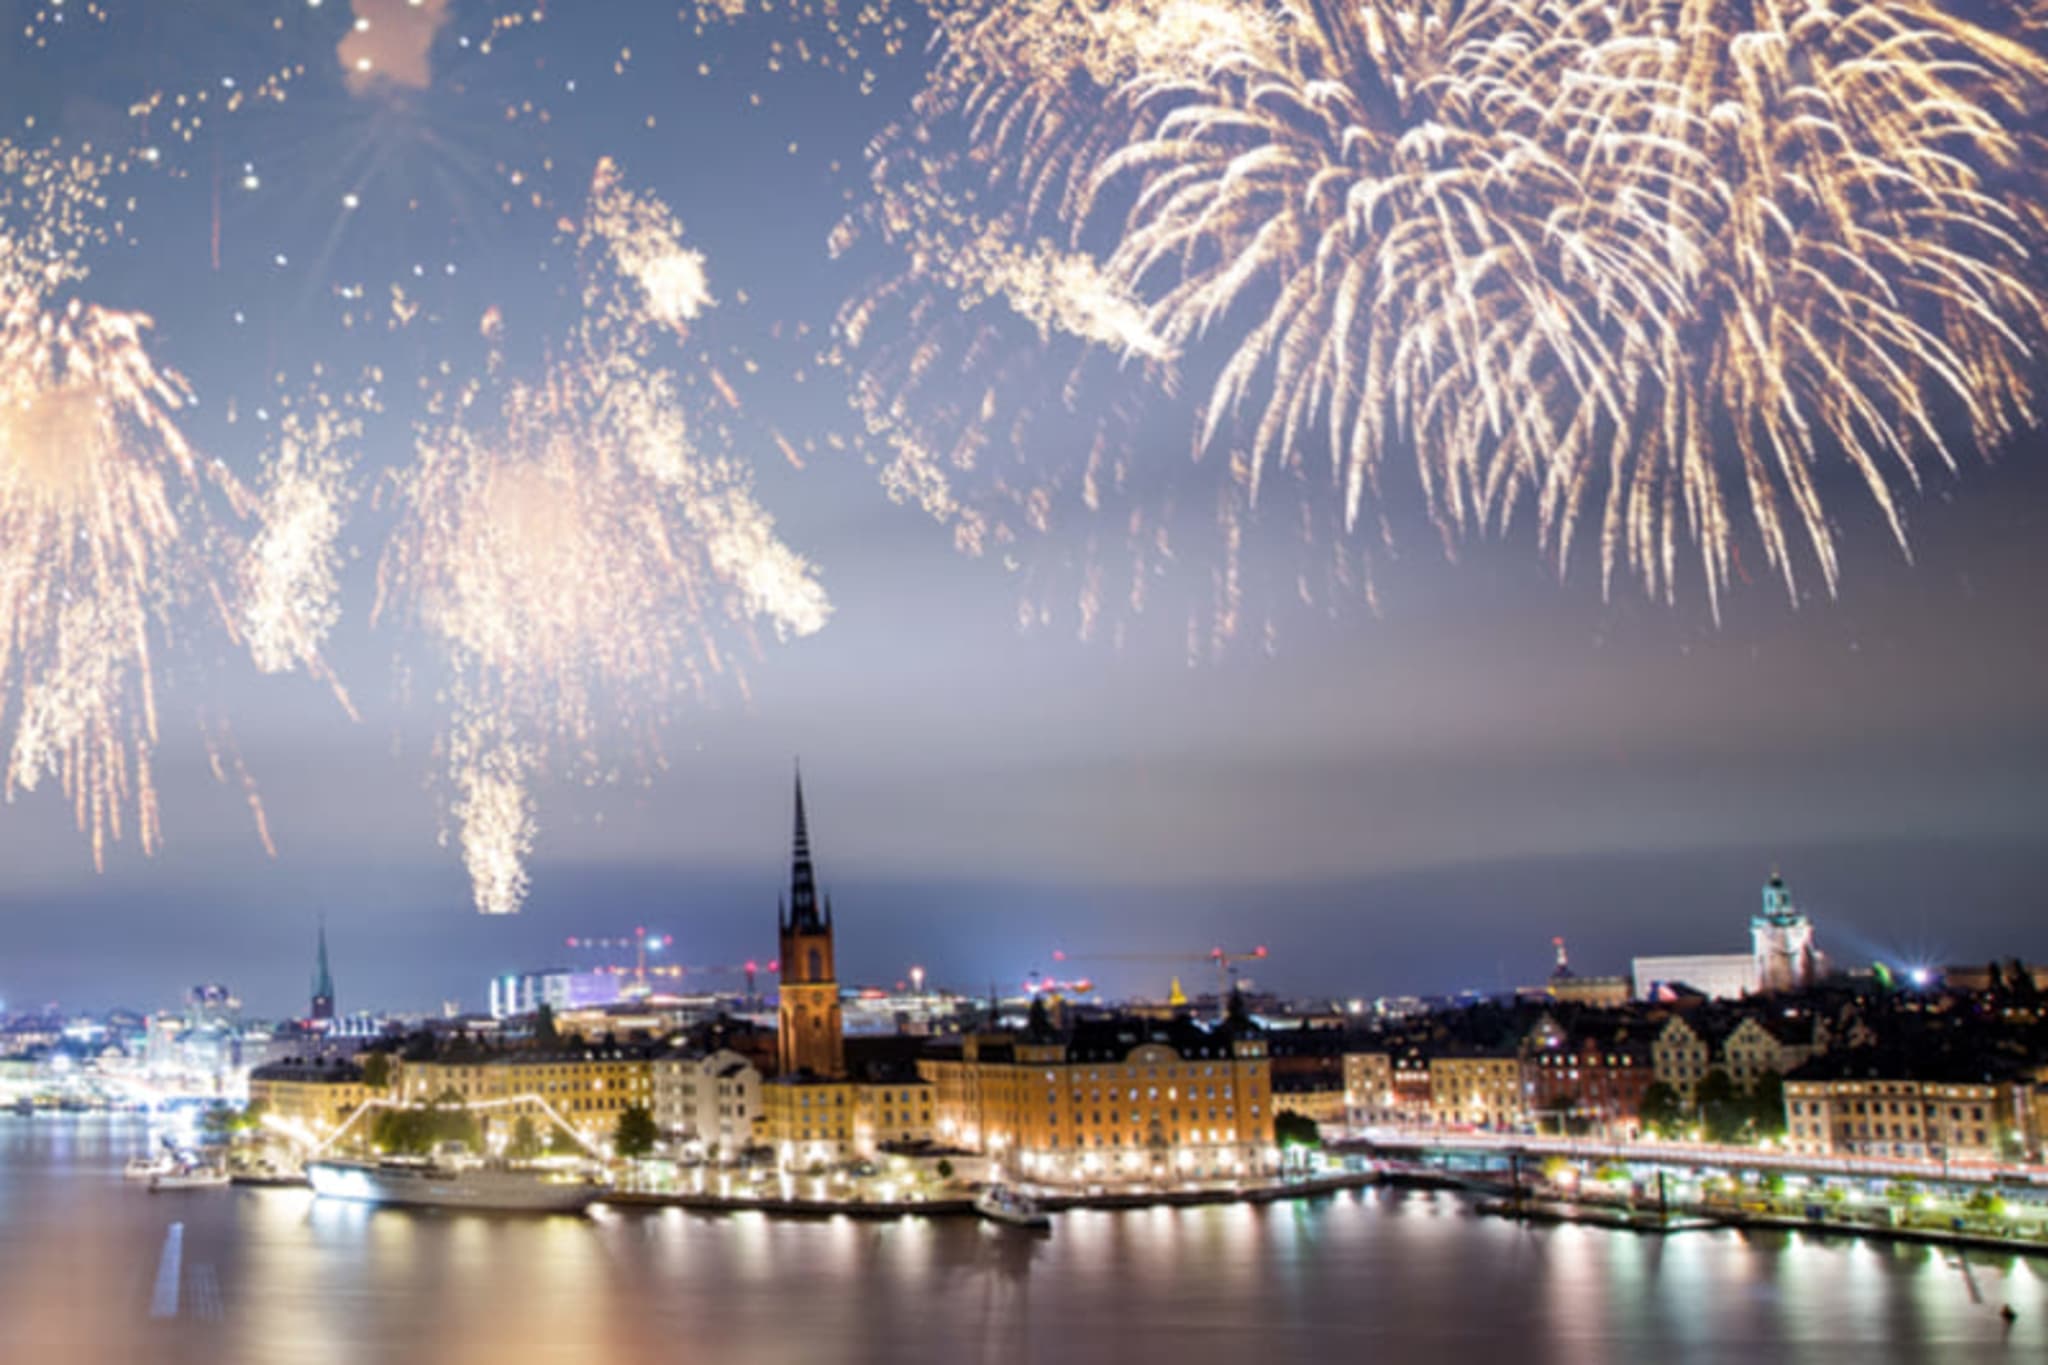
1001	1204
189	1178
426	1184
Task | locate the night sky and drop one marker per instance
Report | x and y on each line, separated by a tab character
1412	798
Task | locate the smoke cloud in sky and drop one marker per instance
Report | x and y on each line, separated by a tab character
391	44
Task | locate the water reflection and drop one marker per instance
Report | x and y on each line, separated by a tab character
264	1276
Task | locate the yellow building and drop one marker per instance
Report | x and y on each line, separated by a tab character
1110	1099
313	1096
1854	1107
1368	1087
812	1121
1476	1090
586	1086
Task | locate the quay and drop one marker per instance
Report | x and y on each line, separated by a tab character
1265	1193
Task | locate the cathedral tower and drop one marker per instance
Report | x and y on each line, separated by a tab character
1782	939
808	1024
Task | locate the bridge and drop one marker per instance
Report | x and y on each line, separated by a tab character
1454	1152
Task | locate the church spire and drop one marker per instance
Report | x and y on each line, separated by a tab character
323	979
803	885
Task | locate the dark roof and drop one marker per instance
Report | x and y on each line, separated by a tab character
1947	1065
324	1070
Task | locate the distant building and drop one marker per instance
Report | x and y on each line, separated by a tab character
1782	942
1569	987
561	989
1718	976
1782	957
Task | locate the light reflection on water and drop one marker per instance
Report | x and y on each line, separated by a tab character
267	1276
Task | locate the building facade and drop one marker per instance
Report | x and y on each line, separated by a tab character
708	1102
1109	1100
1858	1109
583	1087
1476	1090
312	1096
1368	1087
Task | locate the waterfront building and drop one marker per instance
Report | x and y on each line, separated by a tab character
1907	1103
810	1032
312	1095
709	1100
586	1086
1592	1079
1308	1070
1368	1087
1476	1089
1107	1099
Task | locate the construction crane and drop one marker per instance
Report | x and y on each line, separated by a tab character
1224	961
642	944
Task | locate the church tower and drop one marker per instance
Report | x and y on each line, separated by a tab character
1782	939
808	1024
323	983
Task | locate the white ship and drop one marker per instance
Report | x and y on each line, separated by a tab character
189	1178
431	1184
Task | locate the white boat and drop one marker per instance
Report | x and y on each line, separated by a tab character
147	1167
189	1178
1001	1204
428	1184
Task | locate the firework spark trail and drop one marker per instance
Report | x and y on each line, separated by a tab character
577	556
1556	251
291	591
111	525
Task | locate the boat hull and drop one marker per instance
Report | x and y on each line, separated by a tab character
427	1187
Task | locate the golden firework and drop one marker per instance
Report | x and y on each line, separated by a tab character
582	563
1642	263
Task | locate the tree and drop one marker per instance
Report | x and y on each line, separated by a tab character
1767	1105
1723	1111
1296	1130
544	1032
419	1130
377	1071
525	1142
1661	1111
944	1169
635	1134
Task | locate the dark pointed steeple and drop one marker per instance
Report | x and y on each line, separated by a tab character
803	914
323	979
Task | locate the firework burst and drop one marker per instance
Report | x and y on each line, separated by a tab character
582	563
112	526
1644	265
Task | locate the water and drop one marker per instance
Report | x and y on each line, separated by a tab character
93	1268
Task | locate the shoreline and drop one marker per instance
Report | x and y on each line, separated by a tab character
964	1205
